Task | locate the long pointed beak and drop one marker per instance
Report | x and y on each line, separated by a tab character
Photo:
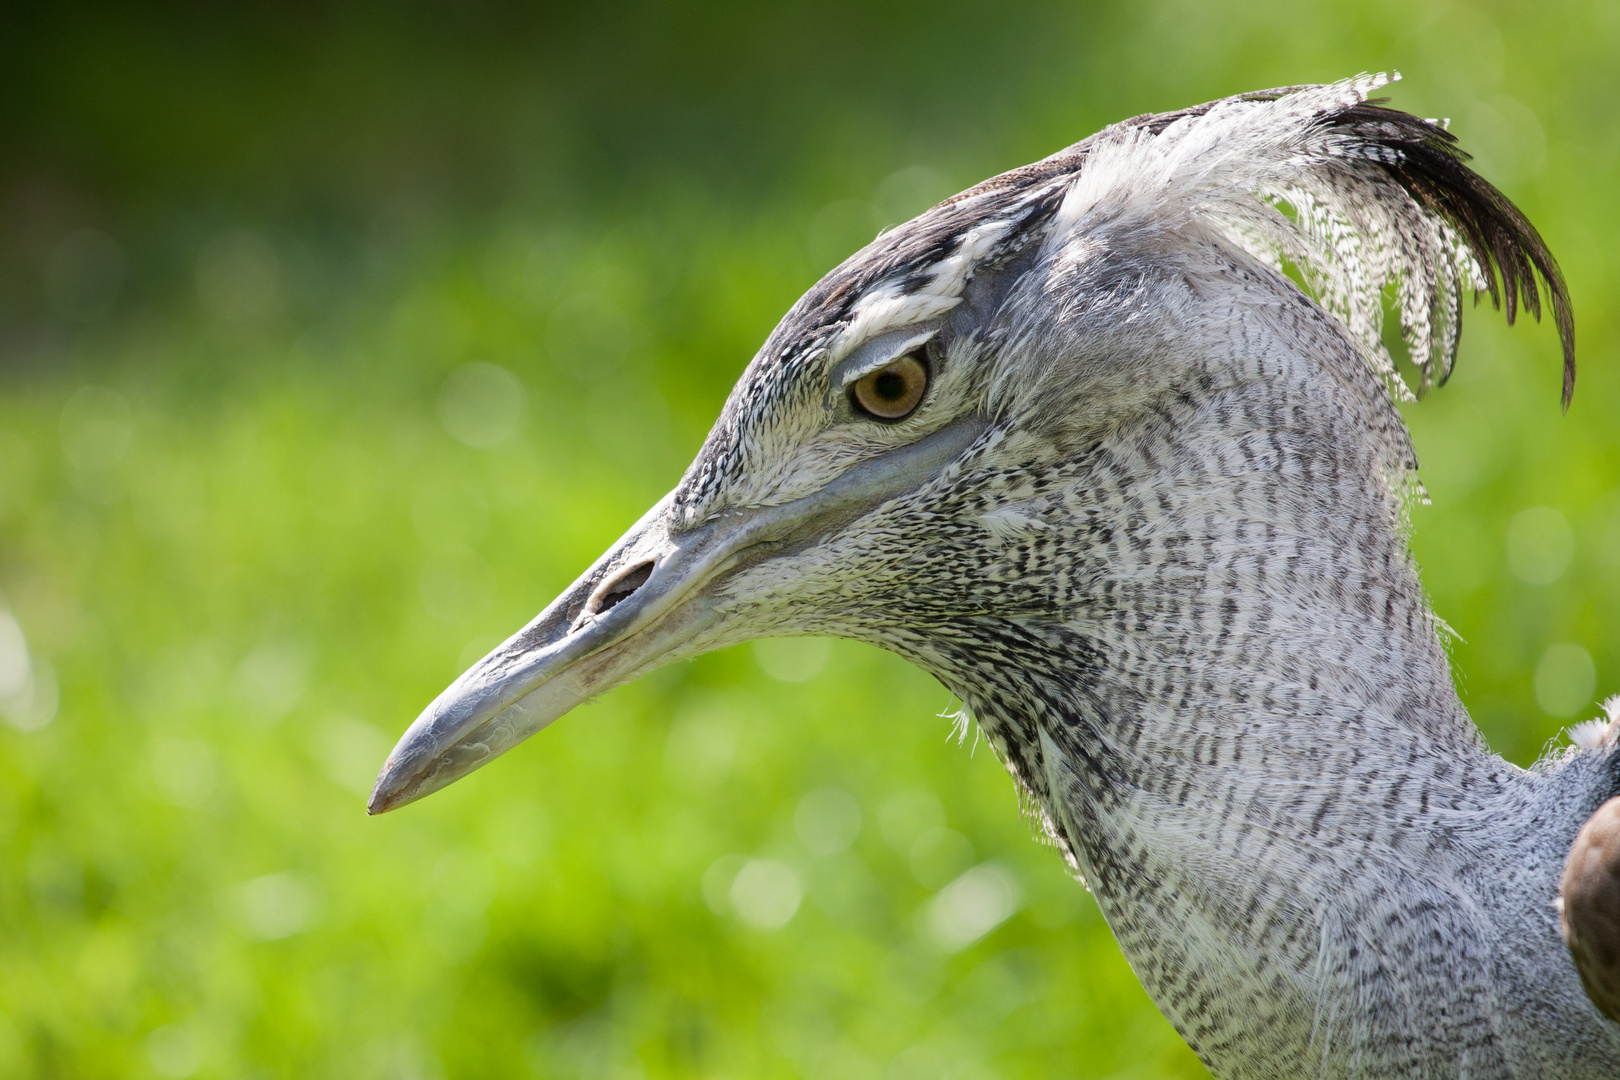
653	597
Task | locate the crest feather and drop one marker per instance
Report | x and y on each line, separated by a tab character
1359	197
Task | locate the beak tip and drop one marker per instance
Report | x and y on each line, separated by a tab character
385	792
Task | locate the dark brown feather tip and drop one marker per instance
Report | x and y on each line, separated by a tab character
1433	169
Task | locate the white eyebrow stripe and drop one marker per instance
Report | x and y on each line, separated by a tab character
886	308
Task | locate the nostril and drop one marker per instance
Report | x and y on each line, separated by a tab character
624	586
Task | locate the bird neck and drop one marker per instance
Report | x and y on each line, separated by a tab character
1203	649
1219	589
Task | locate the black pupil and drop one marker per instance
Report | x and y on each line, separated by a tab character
890	385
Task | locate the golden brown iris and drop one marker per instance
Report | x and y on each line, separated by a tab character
892	392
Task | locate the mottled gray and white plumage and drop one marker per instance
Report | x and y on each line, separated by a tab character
1148	522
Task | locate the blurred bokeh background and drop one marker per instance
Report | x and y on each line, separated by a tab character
336	338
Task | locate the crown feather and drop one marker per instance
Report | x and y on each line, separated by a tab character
1358	197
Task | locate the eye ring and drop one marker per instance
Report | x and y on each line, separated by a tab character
893	392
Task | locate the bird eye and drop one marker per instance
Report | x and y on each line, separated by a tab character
892	393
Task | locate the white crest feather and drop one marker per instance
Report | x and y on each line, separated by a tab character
1272	177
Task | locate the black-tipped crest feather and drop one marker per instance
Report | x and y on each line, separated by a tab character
1433	169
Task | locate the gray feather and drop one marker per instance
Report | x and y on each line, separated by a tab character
1171	580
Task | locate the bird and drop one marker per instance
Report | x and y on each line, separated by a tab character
1109	445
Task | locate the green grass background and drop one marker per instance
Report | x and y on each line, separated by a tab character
244	251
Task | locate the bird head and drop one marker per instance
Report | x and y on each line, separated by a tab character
868	468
